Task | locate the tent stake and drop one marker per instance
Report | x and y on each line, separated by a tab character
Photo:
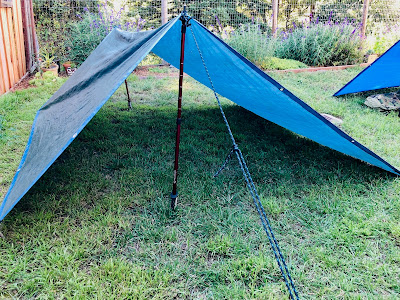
185	23
129	98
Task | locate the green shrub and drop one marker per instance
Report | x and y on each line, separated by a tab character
151	59
53	19
52	37
383	39
84	38
86	34
319	44
314	44
251	42
274	63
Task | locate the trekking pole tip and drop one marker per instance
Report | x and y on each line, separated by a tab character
174	200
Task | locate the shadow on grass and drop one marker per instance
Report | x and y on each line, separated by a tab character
106	202
127	152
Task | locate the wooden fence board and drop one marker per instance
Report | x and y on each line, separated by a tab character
13	46
31	25
3	59
33	29
19	37
3	69
2	84
12	43
7	43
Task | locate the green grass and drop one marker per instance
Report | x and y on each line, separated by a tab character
274	63
98	223
368	126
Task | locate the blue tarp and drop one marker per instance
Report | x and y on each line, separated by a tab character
382	73
66	113
61	119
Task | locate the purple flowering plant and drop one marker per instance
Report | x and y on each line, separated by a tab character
92	27
322	43
312	42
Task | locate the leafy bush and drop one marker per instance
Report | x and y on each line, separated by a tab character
274	63
86	34
61	10
314	43
321	44
52	37
84	38
251	42
385	38
53	19
259	47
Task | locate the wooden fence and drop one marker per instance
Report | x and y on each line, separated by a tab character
17	41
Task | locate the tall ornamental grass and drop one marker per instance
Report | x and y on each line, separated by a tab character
251	42
321	44
313	43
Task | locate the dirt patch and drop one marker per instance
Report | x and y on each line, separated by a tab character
160	71
156	71
22	84
142	72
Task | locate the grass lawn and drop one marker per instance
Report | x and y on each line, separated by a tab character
98	223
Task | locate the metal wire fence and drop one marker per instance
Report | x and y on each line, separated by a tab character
236	12
54	17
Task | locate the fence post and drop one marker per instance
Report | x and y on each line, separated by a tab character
164	19
364	18
312	10
275	11
164	11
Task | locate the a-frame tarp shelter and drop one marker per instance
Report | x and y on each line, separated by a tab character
67	112
382	73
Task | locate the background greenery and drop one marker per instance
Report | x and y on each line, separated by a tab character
72	29
313	43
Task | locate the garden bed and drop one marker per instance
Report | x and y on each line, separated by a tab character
315	69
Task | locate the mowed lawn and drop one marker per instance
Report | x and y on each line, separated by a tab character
98	223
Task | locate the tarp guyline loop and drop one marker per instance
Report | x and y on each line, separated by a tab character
227	159
253	191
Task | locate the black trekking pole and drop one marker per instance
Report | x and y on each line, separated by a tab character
185	23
